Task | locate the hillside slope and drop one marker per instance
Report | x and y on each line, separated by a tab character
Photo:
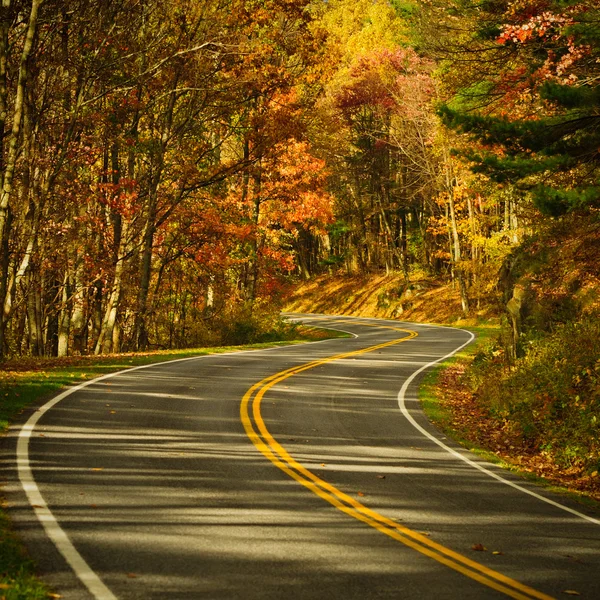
424	300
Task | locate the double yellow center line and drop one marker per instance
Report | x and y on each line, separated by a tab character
259	435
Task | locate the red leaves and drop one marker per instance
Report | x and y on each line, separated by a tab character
121	197
383	78
551	32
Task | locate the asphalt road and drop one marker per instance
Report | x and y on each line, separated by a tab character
299	472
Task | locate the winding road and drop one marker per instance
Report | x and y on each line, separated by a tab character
299	472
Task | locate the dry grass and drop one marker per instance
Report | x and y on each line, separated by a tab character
424	300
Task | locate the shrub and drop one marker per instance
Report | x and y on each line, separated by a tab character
549	399
262	324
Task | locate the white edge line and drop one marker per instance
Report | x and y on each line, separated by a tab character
409	417
44	515
411	420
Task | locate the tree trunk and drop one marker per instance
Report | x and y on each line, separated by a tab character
104	345
253	266
396	248
34	319
456	256
9	165
140	328
64	320
78	320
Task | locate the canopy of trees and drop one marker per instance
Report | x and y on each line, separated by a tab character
166	165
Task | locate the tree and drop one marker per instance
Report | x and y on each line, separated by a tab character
11	138
120	120
539	125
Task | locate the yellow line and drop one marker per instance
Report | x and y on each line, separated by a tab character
270	448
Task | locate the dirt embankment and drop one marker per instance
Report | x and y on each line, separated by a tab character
385	296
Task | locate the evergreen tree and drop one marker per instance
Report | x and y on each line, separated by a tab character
540	124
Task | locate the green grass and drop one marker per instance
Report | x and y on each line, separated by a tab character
17	572
29	382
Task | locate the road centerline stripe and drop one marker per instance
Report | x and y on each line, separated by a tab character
262	439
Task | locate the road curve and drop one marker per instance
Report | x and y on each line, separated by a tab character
299	472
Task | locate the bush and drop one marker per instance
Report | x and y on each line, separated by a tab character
260	325
550	398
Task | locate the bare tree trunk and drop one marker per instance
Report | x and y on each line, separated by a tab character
104	345
514	223
78	323
34	319
9	166
98	295
456	256
255	246
64	321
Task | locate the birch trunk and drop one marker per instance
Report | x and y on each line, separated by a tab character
78	323
64	320
9	166
104	344
456	256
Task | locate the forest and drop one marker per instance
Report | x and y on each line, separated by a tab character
169	167
176	173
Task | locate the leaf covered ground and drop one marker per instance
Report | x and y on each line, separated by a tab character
476	426
423	299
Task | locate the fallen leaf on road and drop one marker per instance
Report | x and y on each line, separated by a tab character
54	596
496	552
97	469
360	494
113	412
131	575
573	558
478	547
571	592
380	476
93	506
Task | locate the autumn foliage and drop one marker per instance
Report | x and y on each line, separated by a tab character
168	167
155	172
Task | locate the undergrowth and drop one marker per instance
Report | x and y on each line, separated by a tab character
549	399
17	579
